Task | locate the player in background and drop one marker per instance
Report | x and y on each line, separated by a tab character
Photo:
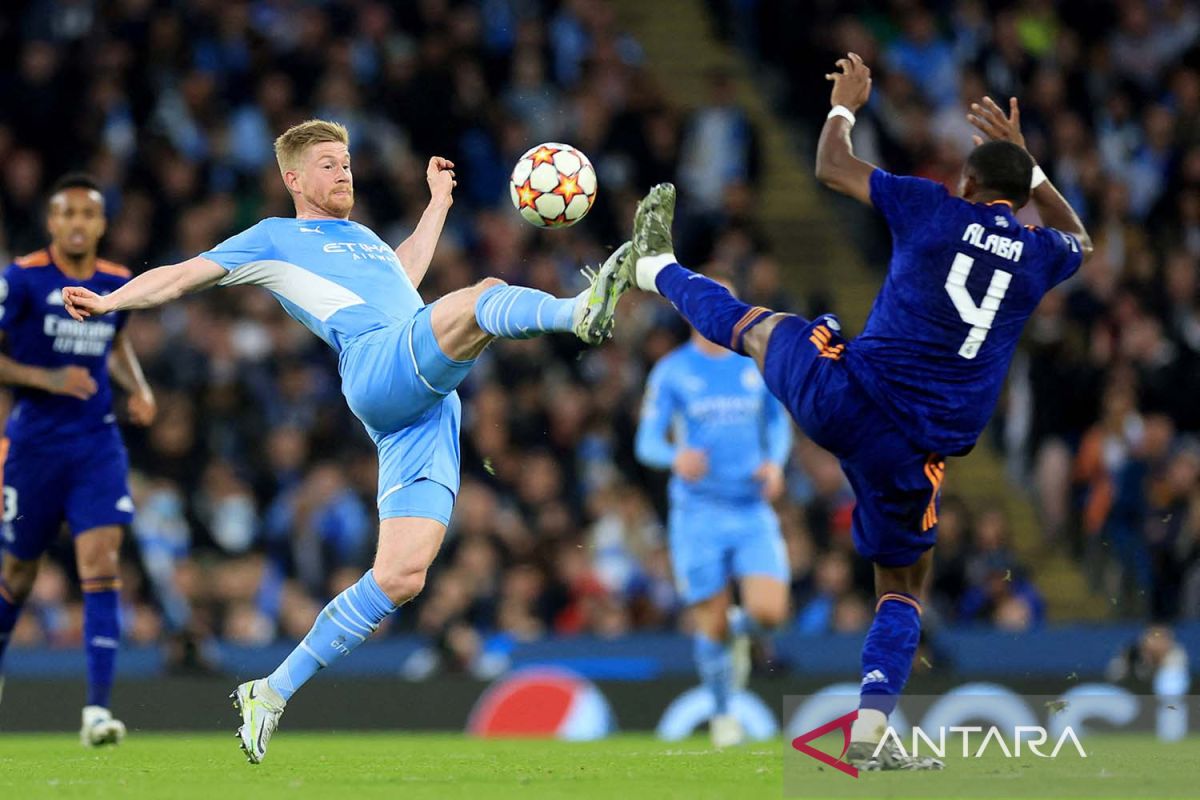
400	362
63	459
921	381
708	417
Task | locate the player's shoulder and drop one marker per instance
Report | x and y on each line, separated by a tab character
34	260
113	269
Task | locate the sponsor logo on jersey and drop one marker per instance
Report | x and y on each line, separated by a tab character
90	338
313	229
362	250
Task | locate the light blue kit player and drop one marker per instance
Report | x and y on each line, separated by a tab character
708	417
400	362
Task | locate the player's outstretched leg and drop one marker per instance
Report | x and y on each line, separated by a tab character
707	305
344	624
16	581
887	657
517	312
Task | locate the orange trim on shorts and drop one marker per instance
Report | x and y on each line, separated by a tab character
903	598
821	338
935	471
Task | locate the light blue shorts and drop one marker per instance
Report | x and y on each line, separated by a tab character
402	386
712	545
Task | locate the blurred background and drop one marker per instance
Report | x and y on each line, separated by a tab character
255	487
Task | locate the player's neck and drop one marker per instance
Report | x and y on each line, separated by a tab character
316	212
81	267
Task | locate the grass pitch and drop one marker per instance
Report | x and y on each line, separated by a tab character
627	767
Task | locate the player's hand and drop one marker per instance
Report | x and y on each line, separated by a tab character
143	408
440	177
851	86
770	475
72	381
82	303
989	118
691	465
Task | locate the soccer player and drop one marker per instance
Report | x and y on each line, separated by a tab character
709	418
400	362
921	381
63	459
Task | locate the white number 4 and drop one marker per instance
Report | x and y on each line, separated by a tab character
979	317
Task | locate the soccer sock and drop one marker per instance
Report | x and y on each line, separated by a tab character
341	626
742	624
718	315
101	636
10	609
517	312
886	661
714	662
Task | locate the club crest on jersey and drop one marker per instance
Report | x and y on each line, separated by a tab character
54	298
751	379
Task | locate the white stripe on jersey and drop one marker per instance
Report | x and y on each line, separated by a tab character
312	293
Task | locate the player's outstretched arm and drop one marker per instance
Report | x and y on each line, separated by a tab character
153	288
1053	208
837	166
416	251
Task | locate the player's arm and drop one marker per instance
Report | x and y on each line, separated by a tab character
126	370
416	251
778	432
652	445
837	166
1053	208
73	380
152	288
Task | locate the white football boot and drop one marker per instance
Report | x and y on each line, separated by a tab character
596	306
99	728
260	707
726	731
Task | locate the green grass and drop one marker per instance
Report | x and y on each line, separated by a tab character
627	767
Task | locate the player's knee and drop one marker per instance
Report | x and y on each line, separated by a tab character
400	585
19	577
771	614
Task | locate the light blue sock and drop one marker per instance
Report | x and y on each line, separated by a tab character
341	626
742	624
714	662
517	312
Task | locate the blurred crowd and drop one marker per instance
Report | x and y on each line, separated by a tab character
1101	416
255	487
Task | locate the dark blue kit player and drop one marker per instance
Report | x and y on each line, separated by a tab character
62	456
921	381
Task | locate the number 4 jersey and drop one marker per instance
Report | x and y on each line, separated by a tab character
963	280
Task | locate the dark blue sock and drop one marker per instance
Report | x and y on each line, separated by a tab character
10	609
709	307
101	636
889	649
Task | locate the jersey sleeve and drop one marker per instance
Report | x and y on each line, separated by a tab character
252	244
1065	254
12	297
652	447
905	202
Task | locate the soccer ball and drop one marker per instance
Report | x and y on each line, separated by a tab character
553	185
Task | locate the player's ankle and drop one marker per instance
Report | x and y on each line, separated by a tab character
648	267
869	726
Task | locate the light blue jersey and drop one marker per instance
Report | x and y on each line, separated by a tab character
720	526
718	404
336	277
347	286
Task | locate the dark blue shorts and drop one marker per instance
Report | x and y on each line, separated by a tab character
896	486
84	484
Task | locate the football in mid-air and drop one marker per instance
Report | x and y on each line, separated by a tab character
553	185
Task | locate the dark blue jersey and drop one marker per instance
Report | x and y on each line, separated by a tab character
39	332
963	279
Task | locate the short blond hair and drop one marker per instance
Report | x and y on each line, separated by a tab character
291	144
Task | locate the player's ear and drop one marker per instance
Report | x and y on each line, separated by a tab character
966	184
291	179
